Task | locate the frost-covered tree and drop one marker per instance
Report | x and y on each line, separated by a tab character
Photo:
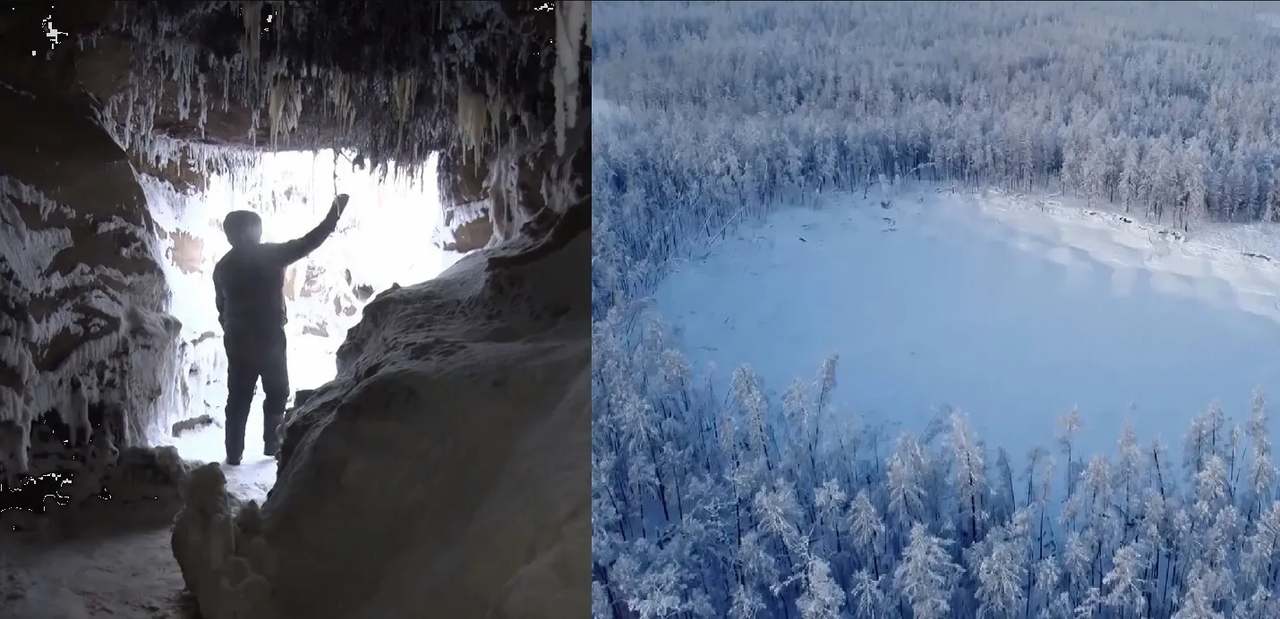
866	532
1068	428
1124	586
821	597
867	592
1000	575
971	477
1197	603
1170	117
926	577
1128	542
1261	469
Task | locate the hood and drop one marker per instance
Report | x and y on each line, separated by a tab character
242	228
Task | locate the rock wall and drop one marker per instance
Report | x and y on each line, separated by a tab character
440	474
82	294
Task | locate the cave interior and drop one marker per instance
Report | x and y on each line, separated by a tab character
101	95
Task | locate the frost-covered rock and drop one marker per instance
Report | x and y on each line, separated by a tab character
68	478
218	544
441	474
148	476
464	199
84	294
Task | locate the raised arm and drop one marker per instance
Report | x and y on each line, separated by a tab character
289	252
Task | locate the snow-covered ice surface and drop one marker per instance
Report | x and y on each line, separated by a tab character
387	235
1011	308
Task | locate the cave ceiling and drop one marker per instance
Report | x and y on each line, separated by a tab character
385	80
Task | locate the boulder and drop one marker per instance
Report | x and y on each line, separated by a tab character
440	474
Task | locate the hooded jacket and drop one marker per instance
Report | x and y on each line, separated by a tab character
248	281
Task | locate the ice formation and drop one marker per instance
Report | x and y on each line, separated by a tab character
472	386
473	118
284	107
218	544
272	86
573	30
34	261
502	184
98	457
273	89
15	439
76	414
84	333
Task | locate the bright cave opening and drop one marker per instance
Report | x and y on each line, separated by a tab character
392	232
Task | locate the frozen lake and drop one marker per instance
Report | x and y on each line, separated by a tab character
1010	310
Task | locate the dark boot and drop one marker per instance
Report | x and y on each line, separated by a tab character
271	419
235	426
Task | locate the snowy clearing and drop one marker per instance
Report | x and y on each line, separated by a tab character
1013	309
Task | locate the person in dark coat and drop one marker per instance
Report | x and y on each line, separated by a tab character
248	285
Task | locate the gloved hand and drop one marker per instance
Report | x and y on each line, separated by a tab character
339	205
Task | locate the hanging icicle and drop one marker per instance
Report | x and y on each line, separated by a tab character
284	107
572	19
251	44
472	118
404	88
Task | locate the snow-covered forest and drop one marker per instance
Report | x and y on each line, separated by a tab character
1171	109
729	503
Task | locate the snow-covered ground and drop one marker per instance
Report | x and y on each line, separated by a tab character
1011	308
387	235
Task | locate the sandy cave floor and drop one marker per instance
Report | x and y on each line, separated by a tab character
110	573
121	565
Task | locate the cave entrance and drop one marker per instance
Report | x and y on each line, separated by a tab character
392	232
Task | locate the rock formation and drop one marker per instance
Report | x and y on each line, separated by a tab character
82	296
461	406
444	471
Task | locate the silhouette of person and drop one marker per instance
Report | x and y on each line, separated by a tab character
248	285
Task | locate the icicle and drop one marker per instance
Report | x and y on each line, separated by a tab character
275	105
251	45
404	88
226	86
184	71
277	25
343	103
471	117
129	104
284	107
572	17
204	104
